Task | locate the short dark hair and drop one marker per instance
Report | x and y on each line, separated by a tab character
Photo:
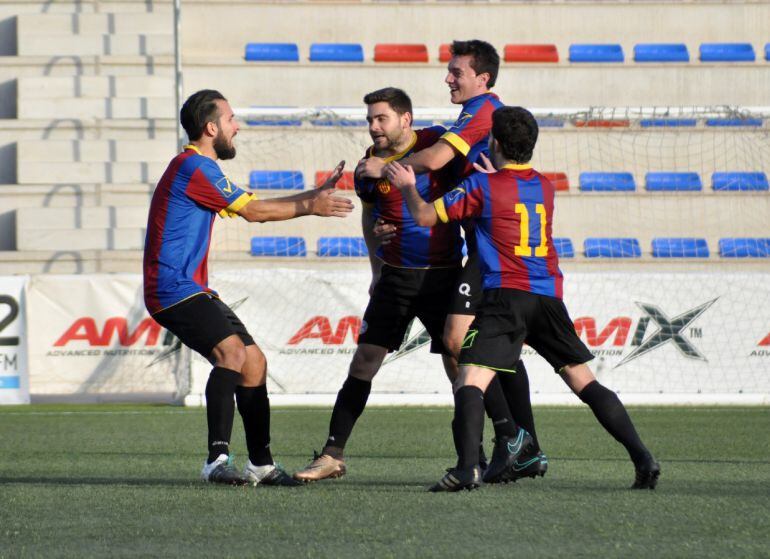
397	98
515	129
484	57
200	109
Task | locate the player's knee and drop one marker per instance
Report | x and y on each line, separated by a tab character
366	362
231	356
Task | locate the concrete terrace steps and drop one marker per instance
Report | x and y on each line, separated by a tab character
138	44
13	67
95	87
536	85
142	108
60	128
127	151
54	25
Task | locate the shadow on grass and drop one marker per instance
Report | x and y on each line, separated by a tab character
72	481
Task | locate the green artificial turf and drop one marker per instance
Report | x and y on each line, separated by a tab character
123	481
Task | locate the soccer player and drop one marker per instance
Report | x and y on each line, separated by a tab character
471	73
412	276
191	193
522	301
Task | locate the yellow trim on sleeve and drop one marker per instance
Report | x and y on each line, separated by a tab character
441	210
517	167
192	147
237	204
456	142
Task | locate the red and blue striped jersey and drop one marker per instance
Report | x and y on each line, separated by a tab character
470	133
513	213
191	192
413	246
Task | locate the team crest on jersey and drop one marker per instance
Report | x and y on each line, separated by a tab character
383	185
225	186
463	116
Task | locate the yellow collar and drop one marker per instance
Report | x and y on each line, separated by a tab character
517	167
398	155
192	147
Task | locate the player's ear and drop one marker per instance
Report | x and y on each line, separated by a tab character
211	128
406	120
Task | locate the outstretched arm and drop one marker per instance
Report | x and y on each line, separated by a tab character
403	178
321	201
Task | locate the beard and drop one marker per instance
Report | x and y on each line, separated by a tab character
224	149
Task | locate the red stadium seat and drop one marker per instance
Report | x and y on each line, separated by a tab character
400	53
443	53
531	53
559	180
345	183
599	123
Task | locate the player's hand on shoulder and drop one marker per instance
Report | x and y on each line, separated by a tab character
370	168
384	231
327	204
334	178
484	165
399	175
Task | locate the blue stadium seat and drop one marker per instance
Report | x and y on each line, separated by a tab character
672	181
675	247
767	51
607	182
739	181
549	122
336	52
667	122
612	248
727	52
596	53
278	246
734	122
272	52
342	246
564	248
276	180
661	52
733	247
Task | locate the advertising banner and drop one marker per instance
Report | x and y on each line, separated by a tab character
91	339
685	337
14	378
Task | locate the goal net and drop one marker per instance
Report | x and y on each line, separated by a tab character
655	208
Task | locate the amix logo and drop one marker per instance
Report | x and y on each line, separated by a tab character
320	328
677	331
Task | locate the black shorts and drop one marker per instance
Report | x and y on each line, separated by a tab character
201	322
467	293
402	294
508	318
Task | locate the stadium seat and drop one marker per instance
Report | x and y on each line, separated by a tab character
602	123
612	248
750	122
531	53
596	53
727	52
736	247
661	182
400	53
564	248
559	180
739	181
667	122
444	54
278	246
276	180
336	52
345	183
342	246
674	247
767	51
661	52
607	182
550	122
272	52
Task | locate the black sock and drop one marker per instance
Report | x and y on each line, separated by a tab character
497	409
469	419
220	409
455	439
350	404
613	416
516	390
254	407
